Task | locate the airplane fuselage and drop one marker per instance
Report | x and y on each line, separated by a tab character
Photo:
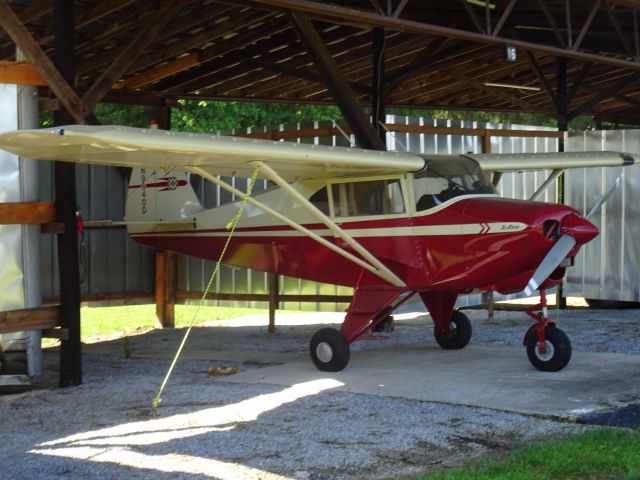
470	242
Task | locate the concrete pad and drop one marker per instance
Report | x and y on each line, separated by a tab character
493	377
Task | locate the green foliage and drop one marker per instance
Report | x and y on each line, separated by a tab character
129	115
211	116
604	454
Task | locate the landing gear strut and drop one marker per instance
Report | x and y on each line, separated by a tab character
548	347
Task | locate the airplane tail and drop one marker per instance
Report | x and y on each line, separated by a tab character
157	196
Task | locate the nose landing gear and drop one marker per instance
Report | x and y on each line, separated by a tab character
548	347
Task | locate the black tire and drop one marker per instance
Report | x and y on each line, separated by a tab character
558	349
329	350
458	335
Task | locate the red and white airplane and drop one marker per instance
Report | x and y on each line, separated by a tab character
387	224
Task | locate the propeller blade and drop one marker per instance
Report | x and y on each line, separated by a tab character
553	259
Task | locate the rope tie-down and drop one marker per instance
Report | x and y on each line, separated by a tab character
231	226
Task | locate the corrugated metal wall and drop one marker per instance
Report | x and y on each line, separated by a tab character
114	263
110	262
607	268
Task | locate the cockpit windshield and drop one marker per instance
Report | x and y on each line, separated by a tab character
446	177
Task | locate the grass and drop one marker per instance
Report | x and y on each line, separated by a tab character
603	454
112	322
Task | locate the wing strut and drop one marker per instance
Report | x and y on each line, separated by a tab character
383	273
550	179
381	270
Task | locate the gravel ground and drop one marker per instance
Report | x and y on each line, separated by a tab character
209	428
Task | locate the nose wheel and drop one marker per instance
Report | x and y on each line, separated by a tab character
548	347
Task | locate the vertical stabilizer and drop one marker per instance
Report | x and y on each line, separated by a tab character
160	196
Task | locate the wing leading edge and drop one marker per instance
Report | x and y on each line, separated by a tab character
136	147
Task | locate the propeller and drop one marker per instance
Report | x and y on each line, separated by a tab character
551	261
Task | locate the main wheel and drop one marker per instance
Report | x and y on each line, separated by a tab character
458	335
558	349
329	350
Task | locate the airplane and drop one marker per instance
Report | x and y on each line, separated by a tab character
388	224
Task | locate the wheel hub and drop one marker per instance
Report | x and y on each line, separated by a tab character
324	352
548	355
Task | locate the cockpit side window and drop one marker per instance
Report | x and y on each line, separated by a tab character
448	177
369	197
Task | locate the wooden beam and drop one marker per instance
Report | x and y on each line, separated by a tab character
336	83
609	92
20	73
350	16
165	289
129	52
158	73
27	319
183	295
27	213
25	42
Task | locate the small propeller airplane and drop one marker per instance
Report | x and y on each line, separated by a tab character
388	224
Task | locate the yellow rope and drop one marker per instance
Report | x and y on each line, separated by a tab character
231	226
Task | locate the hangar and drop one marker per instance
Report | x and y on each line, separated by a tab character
560	59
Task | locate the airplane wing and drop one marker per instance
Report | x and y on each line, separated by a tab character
220	155
518	162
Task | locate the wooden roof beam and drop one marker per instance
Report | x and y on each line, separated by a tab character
130	52
47	70
344	15
602	95
207	54
337	84
163	53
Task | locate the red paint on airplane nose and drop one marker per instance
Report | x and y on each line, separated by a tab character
579	228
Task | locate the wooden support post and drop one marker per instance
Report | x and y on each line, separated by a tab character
165	261
165	289
274	300
65	195
562	116
378	100
486	142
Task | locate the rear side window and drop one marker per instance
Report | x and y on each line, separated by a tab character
369	197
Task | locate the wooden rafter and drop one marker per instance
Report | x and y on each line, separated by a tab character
336	83
130	52
586	25
613	90
23	40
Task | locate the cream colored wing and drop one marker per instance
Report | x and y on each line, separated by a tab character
517	162
135	147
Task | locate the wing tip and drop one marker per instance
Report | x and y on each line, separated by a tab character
627	159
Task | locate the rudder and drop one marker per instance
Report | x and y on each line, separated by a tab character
160	196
